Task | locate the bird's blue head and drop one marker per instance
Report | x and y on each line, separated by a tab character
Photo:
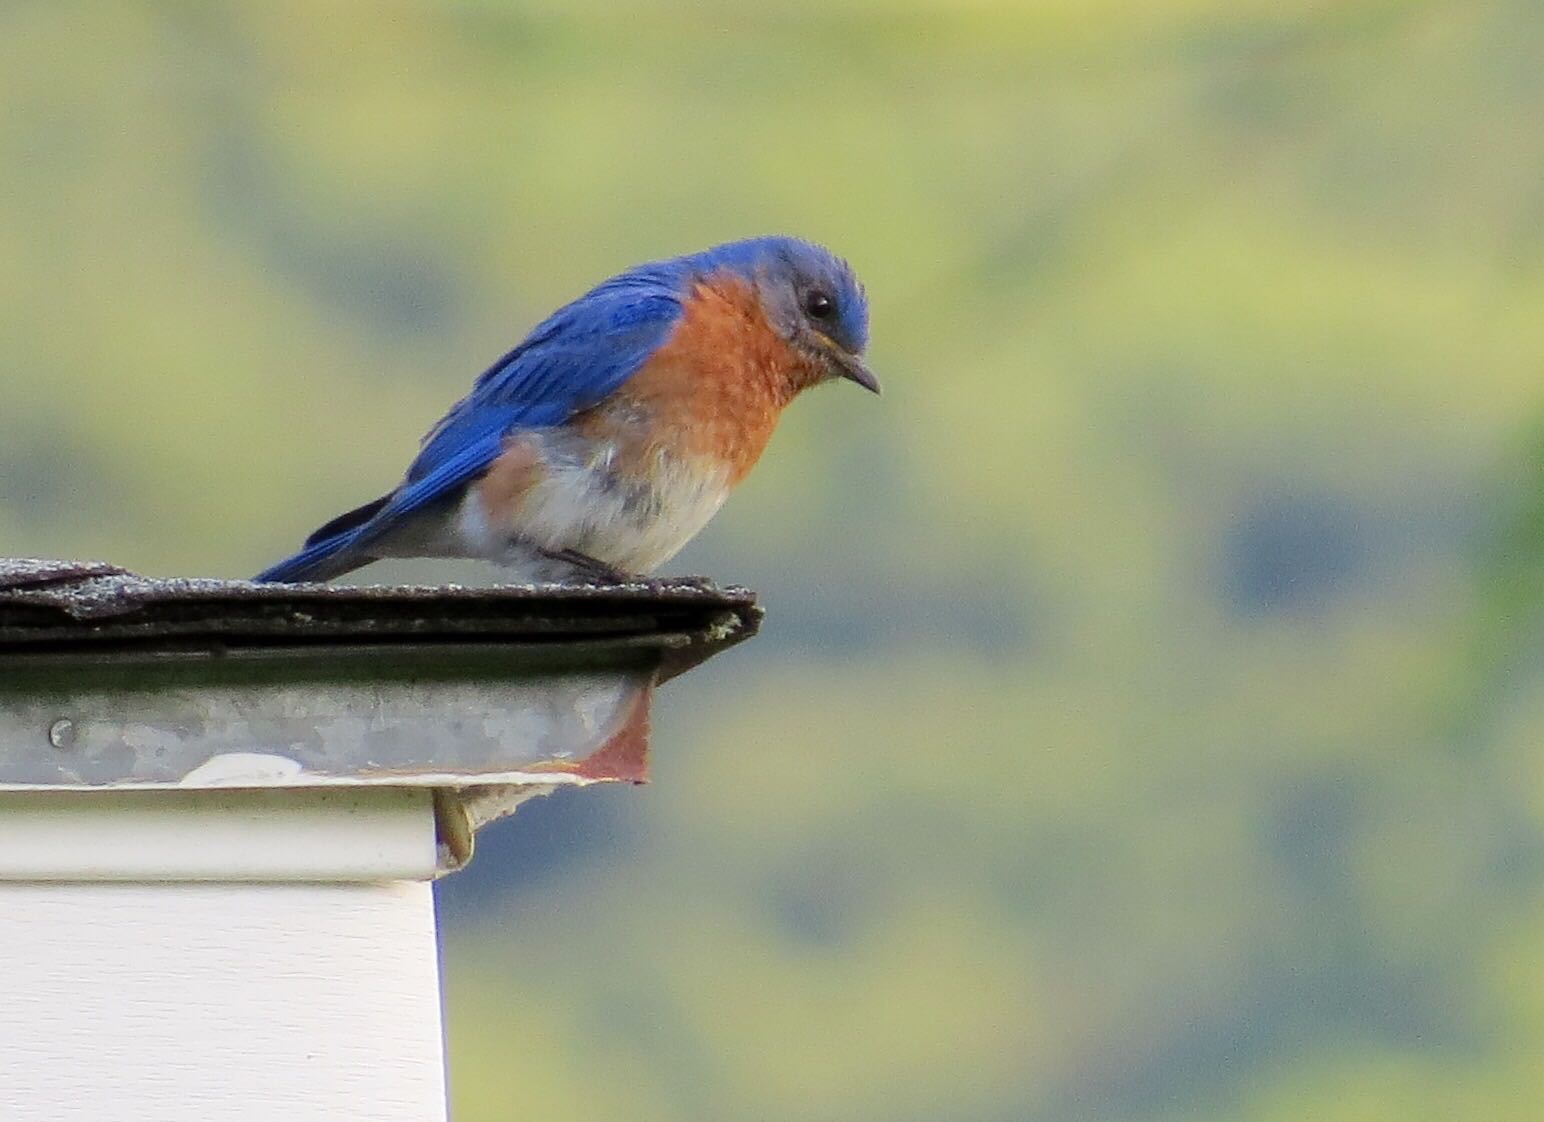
811	298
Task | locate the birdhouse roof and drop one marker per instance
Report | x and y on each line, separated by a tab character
110	680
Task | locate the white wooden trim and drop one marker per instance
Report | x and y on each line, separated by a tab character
206	1002
341	834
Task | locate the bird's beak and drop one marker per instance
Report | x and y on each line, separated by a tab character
847	365
851	367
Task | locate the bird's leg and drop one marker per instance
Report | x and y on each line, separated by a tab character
597	570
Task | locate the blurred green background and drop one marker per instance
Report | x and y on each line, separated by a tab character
1147	721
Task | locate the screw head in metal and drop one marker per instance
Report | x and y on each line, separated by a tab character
61	734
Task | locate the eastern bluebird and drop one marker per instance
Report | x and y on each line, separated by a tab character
606	440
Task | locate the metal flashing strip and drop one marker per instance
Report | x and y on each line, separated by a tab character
186	725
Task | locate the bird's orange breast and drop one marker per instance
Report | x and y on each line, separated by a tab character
713	391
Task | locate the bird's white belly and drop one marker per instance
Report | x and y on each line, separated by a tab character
631	521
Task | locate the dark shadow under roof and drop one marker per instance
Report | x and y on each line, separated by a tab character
64	607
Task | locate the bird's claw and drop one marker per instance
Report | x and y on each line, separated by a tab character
595	570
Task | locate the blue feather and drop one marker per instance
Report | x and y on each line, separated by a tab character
569	363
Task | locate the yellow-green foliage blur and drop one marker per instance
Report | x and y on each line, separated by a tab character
1148	720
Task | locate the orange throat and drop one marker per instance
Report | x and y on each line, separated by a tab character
714	391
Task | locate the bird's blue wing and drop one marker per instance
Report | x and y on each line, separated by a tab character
570	362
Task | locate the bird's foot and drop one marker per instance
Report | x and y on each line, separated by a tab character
588	567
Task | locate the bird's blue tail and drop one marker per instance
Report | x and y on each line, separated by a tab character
329	558
330	552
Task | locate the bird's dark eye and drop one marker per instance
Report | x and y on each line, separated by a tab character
819	305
